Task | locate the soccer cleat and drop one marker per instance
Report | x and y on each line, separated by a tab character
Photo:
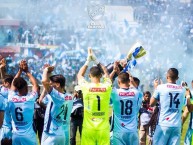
136	51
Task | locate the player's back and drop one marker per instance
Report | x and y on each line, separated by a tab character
96	98
57	114
126	103
172	99
22	110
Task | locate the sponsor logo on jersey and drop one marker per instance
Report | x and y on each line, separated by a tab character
174	87
126	94
21	124
19	99
98	113
68	98
97	89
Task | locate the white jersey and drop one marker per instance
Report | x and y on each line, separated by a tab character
22	110
126	104
172	99
58	111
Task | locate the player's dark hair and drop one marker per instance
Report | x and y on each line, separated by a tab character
95	71
123	78
172	73
19	83
58	79
147	92
136	80
8	79
192	81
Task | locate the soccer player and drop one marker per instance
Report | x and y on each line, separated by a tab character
2	109
171	98
2	67
126	104
58	110
96	98
21	107
6	134
188	138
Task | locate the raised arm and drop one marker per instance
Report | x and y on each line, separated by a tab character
45	78
115	70
83	69
185	115
33	81
17	75
104	69
153	100
2	68
189	105
30	76
42	96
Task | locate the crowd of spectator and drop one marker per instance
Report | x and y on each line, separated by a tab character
162	26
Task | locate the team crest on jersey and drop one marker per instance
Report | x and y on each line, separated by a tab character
68	98
126	94
97	89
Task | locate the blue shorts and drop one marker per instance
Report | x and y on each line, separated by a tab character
188	137
48	139
24	139
123	138
167	135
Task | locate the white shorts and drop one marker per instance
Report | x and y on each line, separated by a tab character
166	135
24	139
48	139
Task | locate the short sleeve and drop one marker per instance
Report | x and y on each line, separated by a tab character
11	94
56	96
82	82
140	98
113	94
33	96
107	81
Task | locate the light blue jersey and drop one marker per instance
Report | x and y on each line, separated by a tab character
172	99
57	116
6	127
2	104
21	111
126	104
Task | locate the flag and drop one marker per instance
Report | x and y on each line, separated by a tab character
136	51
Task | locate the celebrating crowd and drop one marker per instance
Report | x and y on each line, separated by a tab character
159	114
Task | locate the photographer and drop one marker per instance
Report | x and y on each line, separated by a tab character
76	115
